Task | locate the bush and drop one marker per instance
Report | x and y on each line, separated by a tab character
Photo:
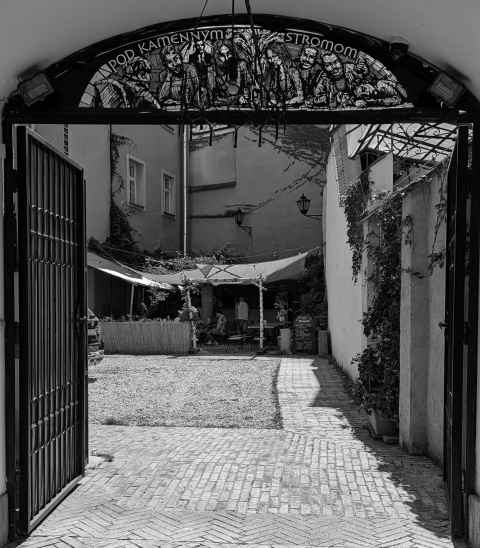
379	363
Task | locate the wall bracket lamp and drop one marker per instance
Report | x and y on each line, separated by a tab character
239	218
303	204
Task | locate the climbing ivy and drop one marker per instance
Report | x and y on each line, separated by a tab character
355	202
117	141
379	363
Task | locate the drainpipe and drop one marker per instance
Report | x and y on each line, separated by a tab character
184	187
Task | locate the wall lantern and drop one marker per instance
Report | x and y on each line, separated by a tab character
303	204
35	88
239	217
446	89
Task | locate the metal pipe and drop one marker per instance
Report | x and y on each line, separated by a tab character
184	184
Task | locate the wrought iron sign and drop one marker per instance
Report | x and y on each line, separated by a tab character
234	70
242	67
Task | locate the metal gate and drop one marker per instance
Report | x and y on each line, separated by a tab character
461	329
52	349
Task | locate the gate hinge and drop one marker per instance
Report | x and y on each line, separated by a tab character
11	173
469	181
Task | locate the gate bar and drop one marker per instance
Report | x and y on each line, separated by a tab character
473	305
458	328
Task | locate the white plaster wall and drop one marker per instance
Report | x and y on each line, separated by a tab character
262	176
436	305
89	147
422	340
344	296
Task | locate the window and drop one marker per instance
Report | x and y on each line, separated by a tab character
135	182
168	193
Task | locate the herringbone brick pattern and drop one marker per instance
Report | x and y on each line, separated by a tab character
319	482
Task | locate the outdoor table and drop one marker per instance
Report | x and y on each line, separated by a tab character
268	328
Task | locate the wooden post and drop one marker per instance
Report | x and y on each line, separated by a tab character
192	323
260	288
132	295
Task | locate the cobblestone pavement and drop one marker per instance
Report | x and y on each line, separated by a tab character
318	482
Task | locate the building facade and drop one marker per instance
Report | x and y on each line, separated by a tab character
261	174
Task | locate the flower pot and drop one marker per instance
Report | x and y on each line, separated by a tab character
285	340
381	425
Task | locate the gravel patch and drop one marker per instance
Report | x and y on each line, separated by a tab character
184	391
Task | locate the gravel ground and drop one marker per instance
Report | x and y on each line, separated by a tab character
184	391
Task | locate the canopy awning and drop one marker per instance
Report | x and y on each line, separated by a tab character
125	273
290	268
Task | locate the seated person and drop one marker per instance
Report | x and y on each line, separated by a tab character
219	331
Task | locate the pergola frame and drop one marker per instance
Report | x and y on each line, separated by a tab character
422	142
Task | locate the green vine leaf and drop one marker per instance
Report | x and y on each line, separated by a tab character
379	364
355	202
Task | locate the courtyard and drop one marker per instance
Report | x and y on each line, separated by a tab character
319	480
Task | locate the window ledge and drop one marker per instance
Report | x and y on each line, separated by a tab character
136	207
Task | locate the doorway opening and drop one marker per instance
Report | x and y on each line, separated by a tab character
373	128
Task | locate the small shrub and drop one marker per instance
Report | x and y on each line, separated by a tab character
112	421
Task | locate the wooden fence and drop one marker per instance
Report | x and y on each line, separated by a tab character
150	337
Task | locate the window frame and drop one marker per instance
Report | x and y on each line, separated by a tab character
173	199
141	202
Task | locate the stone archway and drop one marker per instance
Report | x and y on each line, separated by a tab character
280	70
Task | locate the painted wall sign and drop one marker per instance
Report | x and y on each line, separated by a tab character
229	67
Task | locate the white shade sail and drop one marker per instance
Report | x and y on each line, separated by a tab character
290	268
125	273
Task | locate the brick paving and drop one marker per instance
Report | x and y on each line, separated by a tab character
321	481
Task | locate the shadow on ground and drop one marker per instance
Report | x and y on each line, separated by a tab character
418	476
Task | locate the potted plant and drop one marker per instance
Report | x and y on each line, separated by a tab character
377	387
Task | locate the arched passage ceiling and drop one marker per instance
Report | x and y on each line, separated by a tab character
44	31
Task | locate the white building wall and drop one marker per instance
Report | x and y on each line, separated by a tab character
422	309
344	295
436	302
88	146
265	181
